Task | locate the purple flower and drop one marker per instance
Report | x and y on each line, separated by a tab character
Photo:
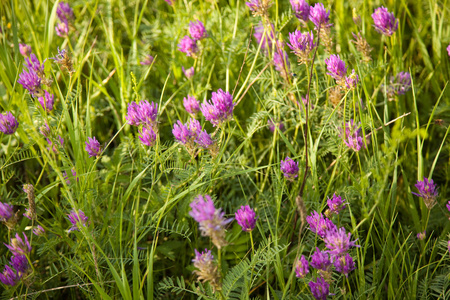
427	191
352	136
272	125
246	218
19	263
189	73
281	62
319	288
219	109
142	113
254	5
336	204
147	61
319	16
187	133
352	80
269	37
448	206
39	230
301	44
47	101
207	269
302	267
289	168
45	130
30	79
401	83
320	260
6	211
64	12
147	136
384	21
93	147
191	104
188	46
204	140
344	264
336	67
338	242
9	276
8	123
320	225
19	246
25	50
421	235
197	30
77	219
448	50
301	9
62	29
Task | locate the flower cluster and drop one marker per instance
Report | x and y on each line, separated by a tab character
66	16
93	147
7	215
265	40
399	85
384	21
207	270
219	109
281	61
147	61
351	134
191	104
77	219
189	73
319	16
47	101
302	44
301	9
259	7
8	123
33	76
335	205
246	218
289	168
337	69
25	50
145	114
197	30
272	125
189	45
427	191
63	59
17	269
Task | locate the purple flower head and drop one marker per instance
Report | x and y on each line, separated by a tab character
281	62
93	147
254	5
344	264
8	123
289	168
33	64
191	104
197	30
421	235
189	73
19	246
319	16
30	81
6	211
301	43
9	276
272	125
39	230
19	263
142	113
301	9
45	130
246	218
384	21
338	242
187	133
320	260
269	37
352	80
204	140
302	267
336	67
319	288
147	136
188	46
320	225
206	268
77	219
448	206
336	204
47	101
352	136
62	29
64	12
448	50
202	258
219	109
202	209
427	191
401	83
147	61
25	50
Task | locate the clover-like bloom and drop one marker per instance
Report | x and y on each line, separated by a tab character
281	62
211	220
401	83
427	191
352	136
187	133
289	168
188	46
197	30
62	29
246	218
9	276
20	263
47	101
19	246
272	125
301	44
142	113
147	61
6	211
8	123
189	72
64	12
77	219
29	78
336	67
204	140
344	264
302	267
301	9
320	225
147	136
338	242
93	147
39	230
352	80
191	104
266	43
219	109
448	50
448	206
207	270
336	204
33	64
320	260
319	16
319	288
25	50
384	21
421	235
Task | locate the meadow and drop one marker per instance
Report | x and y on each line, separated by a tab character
224	149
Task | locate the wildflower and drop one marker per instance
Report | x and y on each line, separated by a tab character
352	136
335	204
401	83
336	67
93	147
8	123
6	212
319	16
64	12
259	7
189	73
211	220
31	211
320	225
207	269
63	59
191	104
19	246
148	60
77	218
188	46
281	62
45	130
9	276
289	168
319	288
338	242
301	9
344	264
197	30
362	46
204	140
320	260
19	263
302	45
62	29
384	21
427	191
39	230
266	43
25	50
246	218
187	133
272	125
31	82
147	136
421	235
47	101
448	206
142	113
33	64
352	80
302	267
448	49
219	109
